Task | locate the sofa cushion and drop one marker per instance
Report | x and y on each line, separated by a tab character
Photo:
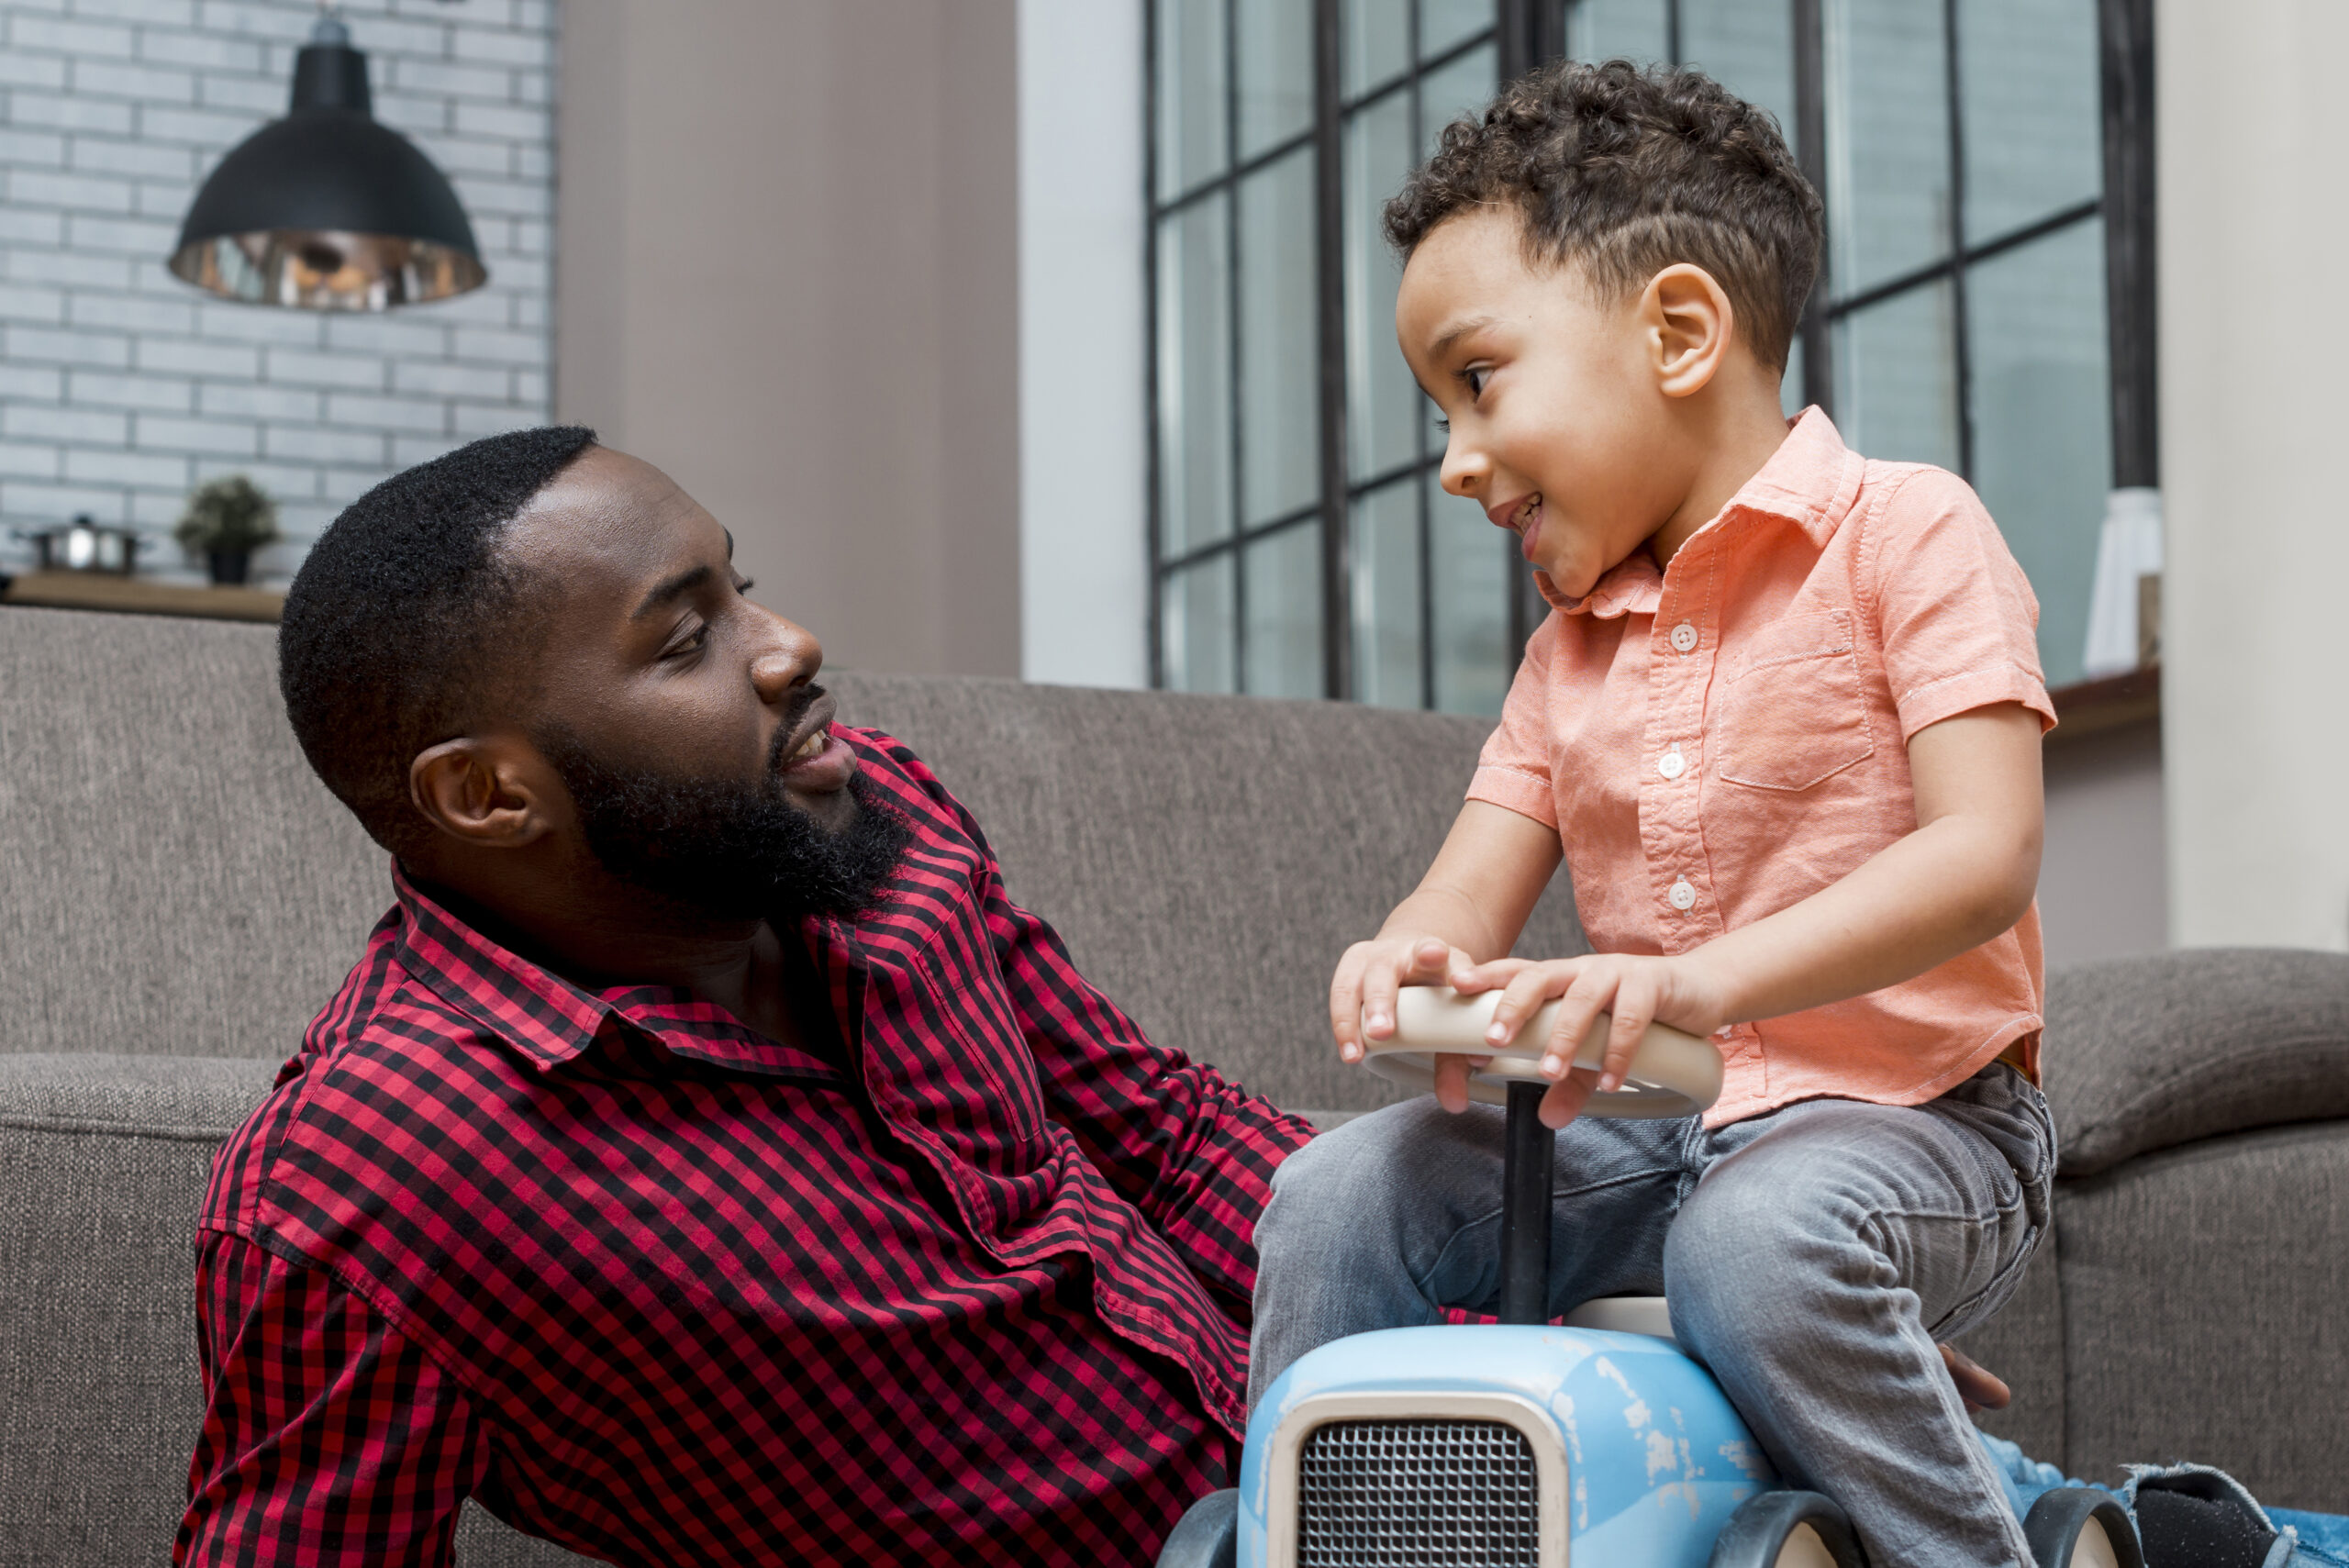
103	1160
174	880
2203	1321
2143	1054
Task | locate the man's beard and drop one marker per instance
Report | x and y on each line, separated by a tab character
727	849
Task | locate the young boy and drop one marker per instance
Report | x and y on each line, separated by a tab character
1784	724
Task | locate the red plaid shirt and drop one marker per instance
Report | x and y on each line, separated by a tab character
964	1278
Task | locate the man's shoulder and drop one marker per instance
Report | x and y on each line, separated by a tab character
385	1072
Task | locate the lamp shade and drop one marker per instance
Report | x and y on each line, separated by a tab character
326	209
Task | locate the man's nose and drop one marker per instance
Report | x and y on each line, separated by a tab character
790	660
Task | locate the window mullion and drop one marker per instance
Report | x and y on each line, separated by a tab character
1338	676
2125	45
1961	347
1810	135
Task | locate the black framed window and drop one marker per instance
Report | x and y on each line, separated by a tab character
1985	302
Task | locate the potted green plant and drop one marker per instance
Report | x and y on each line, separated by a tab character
226	520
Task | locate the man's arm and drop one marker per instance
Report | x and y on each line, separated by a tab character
327	1437
1193	1151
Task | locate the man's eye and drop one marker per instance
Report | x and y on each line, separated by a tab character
691	642
744	584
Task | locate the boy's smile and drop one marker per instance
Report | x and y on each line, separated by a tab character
1574	420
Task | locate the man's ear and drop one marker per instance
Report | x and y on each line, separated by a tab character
1690	325
492	792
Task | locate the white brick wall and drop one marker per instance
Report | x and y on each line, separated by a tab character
122	388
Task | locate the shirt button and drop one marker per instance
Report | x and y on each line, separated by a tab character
1682	895
1684	638
1672	765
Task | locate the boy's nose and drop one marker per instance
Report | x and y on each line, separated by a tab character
1464	471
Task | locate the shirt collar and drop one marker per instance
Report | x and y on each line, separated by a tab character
1811	481
551	1021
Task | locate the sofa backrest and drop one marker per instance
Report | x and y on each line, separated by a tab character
174	880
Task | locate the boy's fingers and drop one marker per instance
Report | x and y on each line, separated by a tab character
1452	1083
1566	1097
1520	999
1378	988
1345	1006
1577	1010
1633	1016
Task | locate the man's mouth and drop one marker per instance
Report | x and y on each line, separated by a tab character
811	748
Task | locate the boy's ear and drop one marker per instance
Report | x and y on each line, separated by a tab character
1689	324
490	792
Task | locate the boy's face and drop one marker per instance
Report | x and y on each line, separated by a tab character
1559	427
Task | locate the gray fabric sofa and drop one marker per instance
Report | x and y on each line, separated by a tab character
178	895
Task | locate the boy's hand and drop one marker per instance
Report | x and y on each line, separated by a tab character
1637	990
1361	993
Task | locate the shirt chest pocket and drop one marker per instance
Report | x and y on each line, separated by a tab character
1793	716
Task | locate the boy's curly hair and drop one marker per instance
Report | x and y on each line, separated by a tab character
1624	172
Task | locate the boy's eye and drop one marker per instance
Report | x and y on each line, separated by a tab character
1476	376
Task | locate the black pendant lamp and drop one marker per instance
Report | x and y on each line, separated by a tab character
325	209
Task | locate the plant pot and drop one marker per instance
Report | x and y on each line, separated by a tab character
230	567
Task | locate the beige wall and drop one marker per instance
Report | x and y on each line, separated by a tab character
2254	345
788	275
2103	881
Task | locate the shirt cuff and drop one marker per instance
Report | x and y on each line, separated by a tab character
1522	793
1953	695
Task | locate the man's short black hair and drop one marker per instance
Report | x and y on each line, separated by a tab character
1625	172
404	619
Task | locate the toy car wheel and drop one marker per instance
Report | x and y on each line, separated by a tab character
2078	1526
1786	1529
1207	1535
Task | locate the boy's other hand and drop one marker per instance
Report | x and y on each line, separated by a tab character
1638	991
1361	993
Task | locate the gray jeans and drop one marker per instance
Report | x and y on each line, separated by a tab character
1812	1256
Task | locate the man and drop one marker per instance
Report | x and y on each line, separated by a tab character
706	1162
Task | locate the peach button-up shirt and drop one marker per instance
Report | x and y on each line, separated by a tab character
1718	740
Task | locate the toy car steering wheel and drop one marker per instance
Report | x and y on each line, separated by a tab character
1672	1073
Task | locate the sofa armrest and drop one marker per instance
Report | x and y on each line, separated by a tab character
2144	1054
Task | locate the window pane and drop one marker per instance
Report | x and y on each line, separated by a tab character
1190	92
1387	595
1382	400
1280	463
1275	53
1748	46
1469	561
1196	627
2042	421
2034	127
1607	29
1790	386
1444	23
1463	87
1285	614
1887	139
1377	43
1896	379
1193	376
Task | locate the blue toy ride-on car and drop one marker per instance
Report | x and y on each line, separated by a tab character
1524	1444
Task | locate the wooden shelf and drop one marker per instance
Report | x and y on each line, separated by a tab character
2091	708
142	596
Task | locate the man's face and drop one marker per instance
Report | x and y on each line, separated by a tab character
1558	428
683	718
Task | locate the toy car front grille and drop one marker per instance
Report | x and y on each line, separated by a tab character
1425	1493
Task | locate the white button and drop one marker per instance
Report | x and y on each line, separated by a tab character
1684	638
1672	765
1682	895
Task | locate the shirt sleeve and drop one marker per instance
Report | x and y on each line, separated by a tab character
1957	617
327	1437
1514	771
1191	1150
